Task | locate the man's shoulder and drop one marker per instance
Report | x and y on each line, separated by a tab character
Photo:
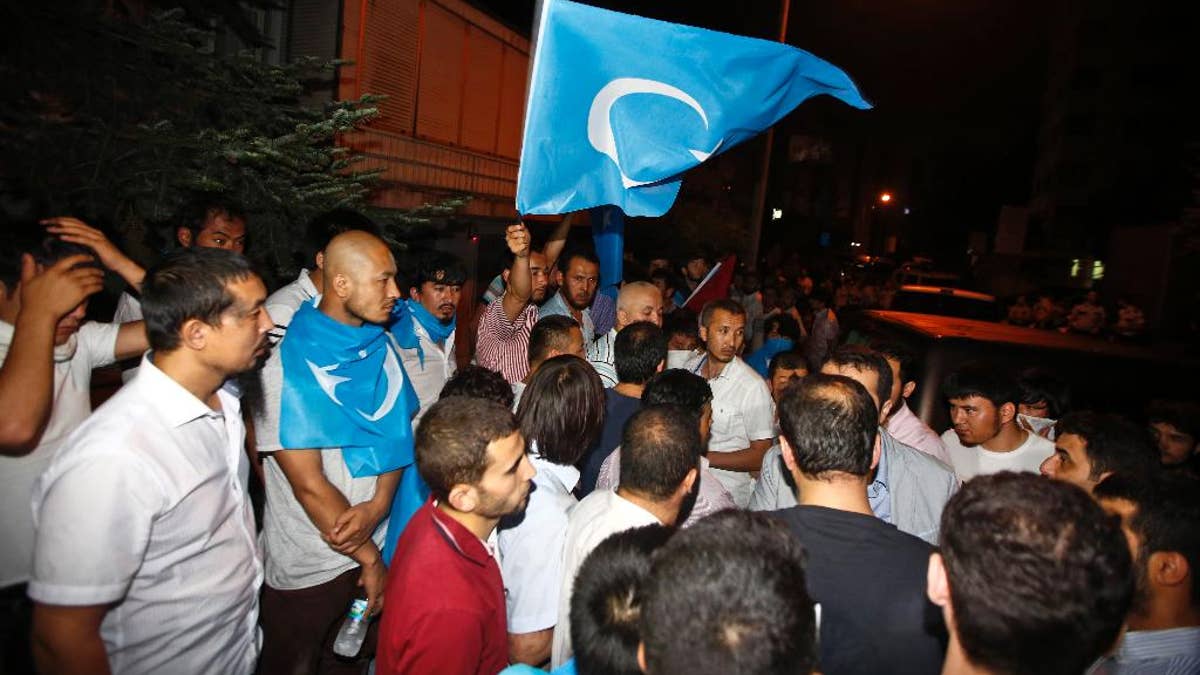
919	462
818	527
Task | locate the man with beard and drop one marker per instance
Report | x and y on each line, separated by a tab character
743	427
502	342
445	599
1161	520
432	307
577	277
146	559
335	435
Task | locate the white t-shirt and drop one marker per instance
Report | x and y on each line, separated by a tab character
428	376
743	411
975	460
142	507
531	548
599	516
283	304
294	553
91	347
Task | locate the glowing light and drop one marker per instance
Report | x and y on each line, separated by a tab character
776	214
885	197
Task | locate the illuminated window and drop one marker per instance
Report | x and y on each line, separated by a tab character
1075	268
1097	270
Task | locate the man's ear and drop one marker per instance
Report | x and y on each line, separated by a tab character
908	389
184	235
642	657
414	294
1168	568
662	365
194	334
319	259
689	481
558	277
622	317
936	585
464	498
1007	412
504	276
704	333
340	284
885	411
877	451
789	458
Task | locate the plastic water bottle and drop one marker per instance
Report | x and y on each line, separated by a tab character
353	631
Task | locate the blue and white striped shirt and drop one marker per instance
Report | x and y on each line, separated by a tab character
1173	651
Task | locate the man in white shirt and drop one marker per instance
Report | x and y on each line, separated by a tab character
323	524
52	383
433	306
743	413
661	450
146	559
985	437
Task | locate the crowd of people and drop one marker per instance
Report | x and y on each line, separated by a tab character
606	484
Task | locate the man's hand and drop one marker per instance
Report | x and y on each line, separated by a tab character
76	231
517	237
59	288
373	580
353	528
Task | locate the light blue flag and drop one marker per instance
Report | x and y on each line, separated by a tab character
620	106
345	387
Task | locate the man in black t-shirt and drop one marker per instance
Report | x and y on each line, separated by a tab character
868	576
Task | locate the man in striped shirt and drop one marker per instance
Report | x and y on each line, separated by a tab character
637	301
502	343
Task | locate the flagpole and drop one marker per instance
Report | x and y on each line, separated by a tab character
760	199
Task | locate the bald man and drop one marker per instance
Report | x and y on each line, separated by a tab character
324	524
637	301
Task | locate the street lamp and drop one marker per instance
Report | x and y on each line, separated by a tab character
885	197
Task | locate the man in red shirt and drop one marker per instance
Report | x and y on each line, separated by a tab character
445	599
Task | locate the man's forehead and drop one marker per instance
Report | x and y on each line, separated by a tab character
974	400
725	317
224	223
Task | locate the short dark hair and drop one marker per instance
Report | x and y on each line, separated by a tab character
189	283
638	350
564	260
791	360
1039	575
438	268
910	365
322	229
979	379
1167	516
1036	385
203	206
550	333
681	322
830	423
1183	415
678	387
728	595
606	601
19	238
562	409
479	382
660	445
721	304
865	360
452	439
1112	444
785	325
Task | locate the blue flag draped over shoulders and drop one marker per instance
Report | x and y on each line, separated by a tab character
345	387
620	106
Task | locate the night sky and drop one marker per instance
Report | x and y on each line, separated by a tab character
958	86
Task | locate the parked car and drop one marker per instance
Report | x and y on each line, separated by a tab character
1103	376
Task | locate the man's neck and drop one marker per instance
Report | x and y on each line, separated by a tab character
199	380
712	367
956	662
317	278
1164	613
629	389
331	307
666	512
843	492
478	525
1010	438
576	313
